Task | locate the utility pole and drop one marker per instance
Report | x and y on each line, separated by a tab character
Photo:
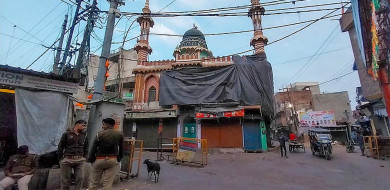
84	47
100	78
59	47
66	52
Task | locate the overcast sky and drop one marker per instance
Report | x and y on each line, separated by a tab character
292	59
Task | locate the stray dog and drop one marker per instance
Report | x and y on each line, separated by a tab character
153	169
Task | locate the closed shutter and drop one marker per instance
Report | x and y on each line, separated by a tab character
223	134
147	130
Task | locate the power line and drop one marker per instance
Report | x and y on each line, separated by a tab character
34	25
309	62
235	7
13	33
302	28
336	78
226	14
216	17
247	31
293	60
21	29
19	38
16	46
167	5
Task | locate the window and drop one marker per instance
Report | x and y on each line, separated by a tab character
152	94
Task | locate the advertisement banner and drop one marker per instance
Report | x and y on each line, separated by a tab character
238	113
187	151
317	118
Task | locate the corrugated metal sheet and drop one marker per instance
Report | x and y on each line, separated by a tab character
227	133
252	136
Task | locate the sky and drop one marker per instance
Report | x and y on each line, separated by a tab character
28	27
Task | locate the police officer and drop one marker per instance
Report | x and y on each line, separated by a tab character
73	151
19	169
106	153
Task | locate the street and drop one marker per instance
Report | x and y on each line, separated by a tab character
269	171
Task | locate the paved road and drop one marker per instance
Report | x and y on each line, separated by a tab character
264	171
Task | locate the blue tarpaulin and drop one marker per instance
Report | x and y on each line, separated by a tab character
358	28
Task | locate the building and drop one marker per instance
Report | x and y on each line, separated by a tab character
314	87
33	104
165	105
288	104
120	82
298	108
337	102
370	96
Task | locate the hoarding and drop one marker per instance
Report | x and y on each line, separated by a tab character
317	118
238	113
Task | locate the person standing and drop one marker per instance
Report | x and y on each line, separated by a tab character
282	143
72	152
19	169
360	140
106	153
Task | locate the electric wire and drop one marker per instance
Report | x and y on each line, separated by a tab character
298	59
12	37
217	17
160	15
15	47
309	62
20	39
34	25
247	31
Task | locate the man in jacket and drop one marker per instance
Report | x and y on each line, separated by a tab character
73	151
19	169
106	153
360	140
282	142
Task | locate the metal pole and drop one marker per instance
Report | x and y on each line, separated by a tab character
100	78
59	47
87	33
66	52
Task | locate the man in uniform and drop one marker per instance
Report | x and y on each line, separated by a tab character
106	153
19	169
73	151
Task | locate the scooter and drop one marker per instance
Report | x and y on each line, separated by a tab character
350	146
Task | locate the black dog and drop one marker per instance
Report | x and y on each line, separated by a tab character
153	169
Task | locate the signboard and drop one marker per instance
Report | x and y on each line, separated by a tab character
187	151
317	118
28	81
160	114
128	96
238	113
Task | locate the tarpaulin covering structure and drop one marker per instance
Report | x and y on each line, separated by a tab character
247	82
42	117
358	28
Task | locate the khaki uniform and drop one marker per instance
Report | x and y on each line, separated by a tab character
106	153
72	150
20	164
